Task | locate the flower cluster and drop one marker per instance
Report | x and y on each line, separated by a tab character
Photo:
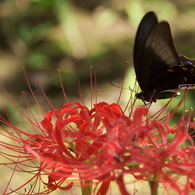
92	148
75	145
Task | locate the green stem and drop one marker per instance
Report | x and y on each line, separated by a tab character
86	190
153	187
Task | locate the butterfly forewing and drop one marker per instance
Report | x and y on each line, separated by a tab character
160	45
160	53
147	23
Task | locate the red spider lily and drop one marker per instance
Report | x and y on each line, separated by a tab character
68	143
78	146
101	145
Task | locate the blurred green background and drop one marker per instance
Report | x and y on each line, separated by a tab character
72	35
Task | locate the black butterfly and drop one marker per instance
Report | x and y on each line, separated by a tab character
158	66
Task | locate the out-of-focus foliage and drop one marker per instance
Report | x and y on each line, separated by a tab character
72	35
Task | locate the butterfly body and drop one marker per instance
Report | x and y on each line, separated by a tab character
158	67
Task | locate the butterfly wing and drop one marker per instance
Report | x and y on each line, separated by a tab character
154	54
168	69
161	54
147	23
